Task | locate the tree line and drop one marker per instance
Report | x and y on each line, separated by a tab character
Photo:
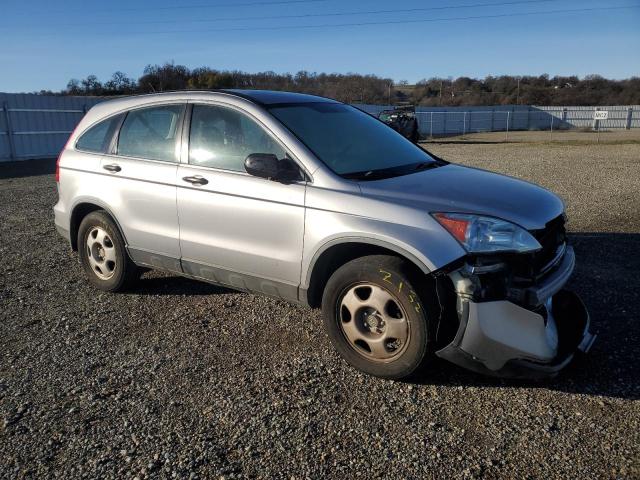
356	88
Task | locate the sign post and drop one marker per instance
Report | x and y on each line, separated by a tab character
599	115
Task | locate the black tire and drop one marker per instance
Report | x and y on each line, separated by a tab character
120	273
389	275
415	135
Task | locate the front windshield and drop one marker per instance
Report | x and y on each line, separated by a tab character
350	142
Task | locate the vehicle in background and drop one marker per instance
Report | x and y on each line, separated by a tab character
313	201
403	120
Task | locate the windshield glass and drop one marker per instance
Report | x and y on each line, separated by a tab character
350	142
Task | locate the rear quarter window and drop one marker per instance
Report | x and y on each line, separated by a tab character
98	137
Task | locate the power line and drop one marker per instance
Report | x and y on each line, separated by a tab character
314	15
219	5
198	6
392	22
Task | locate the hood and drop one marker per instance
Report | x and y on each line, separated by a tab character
454	188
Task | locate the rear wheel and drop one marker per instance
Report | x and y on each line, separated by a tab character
375	318
103	254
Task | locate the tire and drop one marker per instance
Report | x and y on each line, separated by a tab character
415	136
104	257
375	316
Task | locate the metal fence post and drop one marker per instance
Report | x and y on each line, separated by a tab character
12	146
444	123
629	117
431	126
506	135
464	124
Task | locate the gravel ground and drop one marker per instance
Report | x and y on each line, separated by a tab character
576	136
180	379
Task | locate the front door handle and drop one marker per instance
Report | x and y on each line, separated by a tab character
196	180
112	168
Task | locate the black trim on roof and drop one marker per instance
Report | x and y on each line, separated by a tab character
272	97
259	97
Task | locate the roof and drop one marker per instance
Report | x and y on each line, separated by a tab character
260	98
271	97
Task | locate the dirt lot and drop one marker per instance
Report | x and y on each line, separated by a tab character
576	136
186	380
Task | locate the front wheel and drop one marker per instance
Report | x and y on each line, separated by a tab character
375	318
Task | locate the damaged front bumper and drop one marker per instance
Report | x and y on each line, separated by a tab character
524	331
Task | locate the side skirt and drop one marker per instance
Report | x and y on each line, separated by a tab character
217	276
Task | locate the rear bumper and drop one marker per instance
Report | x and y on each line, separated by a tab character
63	232
61	219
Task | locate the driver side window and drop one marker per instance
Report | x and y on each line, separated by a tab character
222	138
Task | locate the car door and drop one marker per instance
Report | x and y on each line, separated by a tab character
237	229
139	183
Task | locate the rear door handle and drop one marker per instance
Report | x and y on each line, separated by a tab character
196	180
112	168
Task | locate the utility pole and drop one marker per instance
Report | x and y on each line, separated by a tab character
440	92
518	94
389	94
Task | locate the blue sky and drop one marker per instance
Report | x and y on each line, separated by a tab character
43	44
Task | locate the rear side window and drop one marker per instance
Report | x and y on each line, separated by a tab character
151	133
98	137
223	138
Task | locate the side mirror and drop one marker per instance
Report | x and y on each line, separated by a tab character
264	165
267	165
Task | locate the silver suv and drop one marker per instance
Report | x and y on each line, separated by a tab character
313	201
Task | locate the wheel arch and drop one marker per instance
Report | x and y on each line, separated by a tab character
81	209
336	253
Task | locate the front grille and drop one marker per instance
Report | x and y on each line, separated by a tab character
552	238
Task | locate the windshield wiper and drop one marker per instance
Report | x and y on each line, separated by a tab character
393	171
370	175
425	165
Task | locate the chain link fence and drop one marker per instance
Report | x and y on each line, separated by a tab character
523	123
511	123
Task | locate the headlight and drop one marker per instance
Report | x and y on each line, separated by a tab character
479	234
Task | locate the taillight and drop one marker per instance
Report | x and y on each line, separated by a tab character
58	168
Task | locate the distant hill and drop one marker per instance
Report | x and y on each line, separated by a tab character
356	88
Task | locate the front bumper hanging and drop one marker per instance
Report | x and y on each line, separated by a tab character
507	338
